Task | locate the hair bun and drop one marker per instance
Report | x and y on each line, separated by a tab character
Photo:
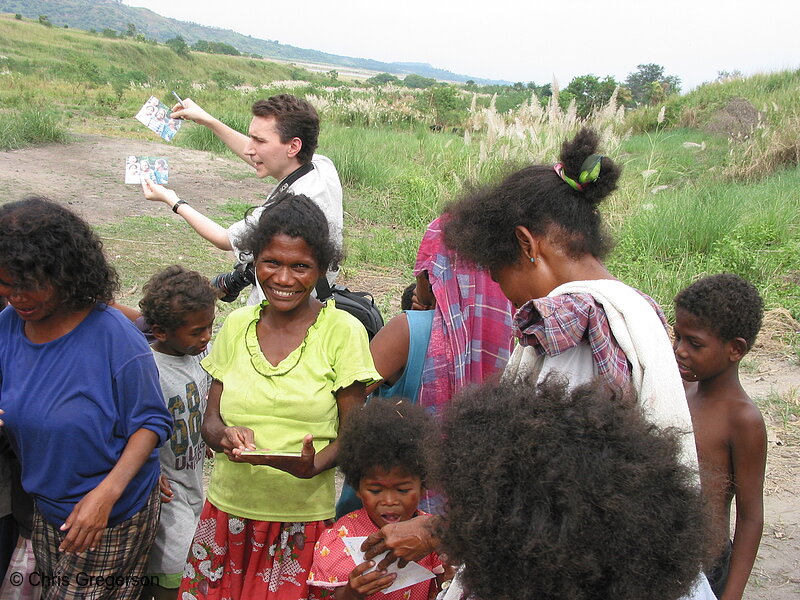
575	154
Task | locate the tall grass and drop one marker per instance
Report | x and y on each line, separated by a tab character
395	183
768	149
706	228
533	133
392	107
775	94
30	127
201	138
766	146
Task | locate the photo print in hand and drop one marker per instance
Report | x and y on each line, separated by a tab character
156	116
154	168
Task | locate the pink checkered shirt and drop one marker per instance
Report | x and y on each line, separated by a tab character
553	325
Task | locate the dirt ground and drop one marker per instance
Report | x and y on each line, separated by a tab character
776	574
87	175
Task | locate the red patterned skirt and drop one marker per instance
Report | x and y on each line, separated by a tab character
232	558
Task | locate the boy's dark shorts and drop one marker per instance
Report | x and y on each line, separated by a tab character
718	574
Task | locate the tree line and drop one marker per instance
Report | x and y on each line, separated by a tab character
647	85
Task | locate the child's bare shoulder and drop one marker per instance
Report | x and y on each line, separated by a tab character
724	415
744	417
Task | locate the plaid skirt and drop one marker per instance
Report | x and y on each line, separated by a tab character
113	571
232	558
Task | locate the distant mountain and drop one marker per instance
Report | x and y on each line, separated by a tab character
112	14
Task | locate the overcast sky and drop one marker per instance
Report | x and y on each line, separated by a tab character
524	40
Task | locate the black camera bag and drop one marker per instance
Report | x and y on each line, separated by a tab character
359	304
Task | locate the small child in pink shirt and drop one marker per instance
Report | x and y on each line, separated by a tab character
382	457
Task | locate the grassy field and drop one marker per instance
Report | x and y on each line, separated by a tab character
694	198
709	184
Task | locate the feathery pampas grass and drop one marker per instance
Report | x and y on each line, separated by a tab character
533	133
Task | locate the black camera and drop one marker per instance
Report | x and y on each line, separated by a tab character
232	283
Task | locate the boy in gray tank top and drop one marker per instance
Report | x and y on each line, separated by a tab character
179	306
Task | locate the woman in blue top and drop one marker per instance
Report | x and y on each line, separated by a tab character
81	401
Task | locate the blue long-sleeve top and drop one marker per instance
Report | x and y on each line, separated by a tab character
71	405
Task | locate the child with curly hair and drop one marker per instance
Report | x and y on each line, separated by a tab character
716	322
179	307
556	494
382	457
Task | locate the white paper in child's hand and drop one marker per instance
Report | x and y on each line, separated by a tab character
411	574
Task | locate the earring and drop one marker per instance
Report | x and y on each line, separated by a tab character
533	260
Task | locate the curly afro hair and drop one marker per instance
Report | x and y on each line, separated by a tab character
386	434
555	495
482	224
294	215
44	244
173	293
726	304
294	118
407	297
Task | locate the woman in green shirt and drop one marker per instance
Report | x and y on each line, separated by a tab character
286	373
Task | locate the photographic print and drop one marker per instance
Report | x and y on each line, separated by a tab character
154	168
156	116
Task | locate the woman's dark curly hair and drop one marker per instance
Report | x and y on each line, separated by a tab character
173	293
482	224
294	215
44	244
385	433
726	304
555	495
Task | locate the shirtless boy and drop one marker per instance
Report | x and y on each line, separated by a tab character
716	322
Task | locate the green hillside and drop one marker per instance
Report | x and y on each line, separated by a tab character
113	15
73	55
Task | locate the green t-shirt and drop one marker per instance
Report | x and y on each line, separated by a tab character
281	404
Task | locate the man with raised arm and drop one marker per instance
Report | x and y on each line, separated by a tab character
280	143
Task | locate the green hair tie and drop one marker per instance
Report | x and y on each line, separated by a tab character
590	171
